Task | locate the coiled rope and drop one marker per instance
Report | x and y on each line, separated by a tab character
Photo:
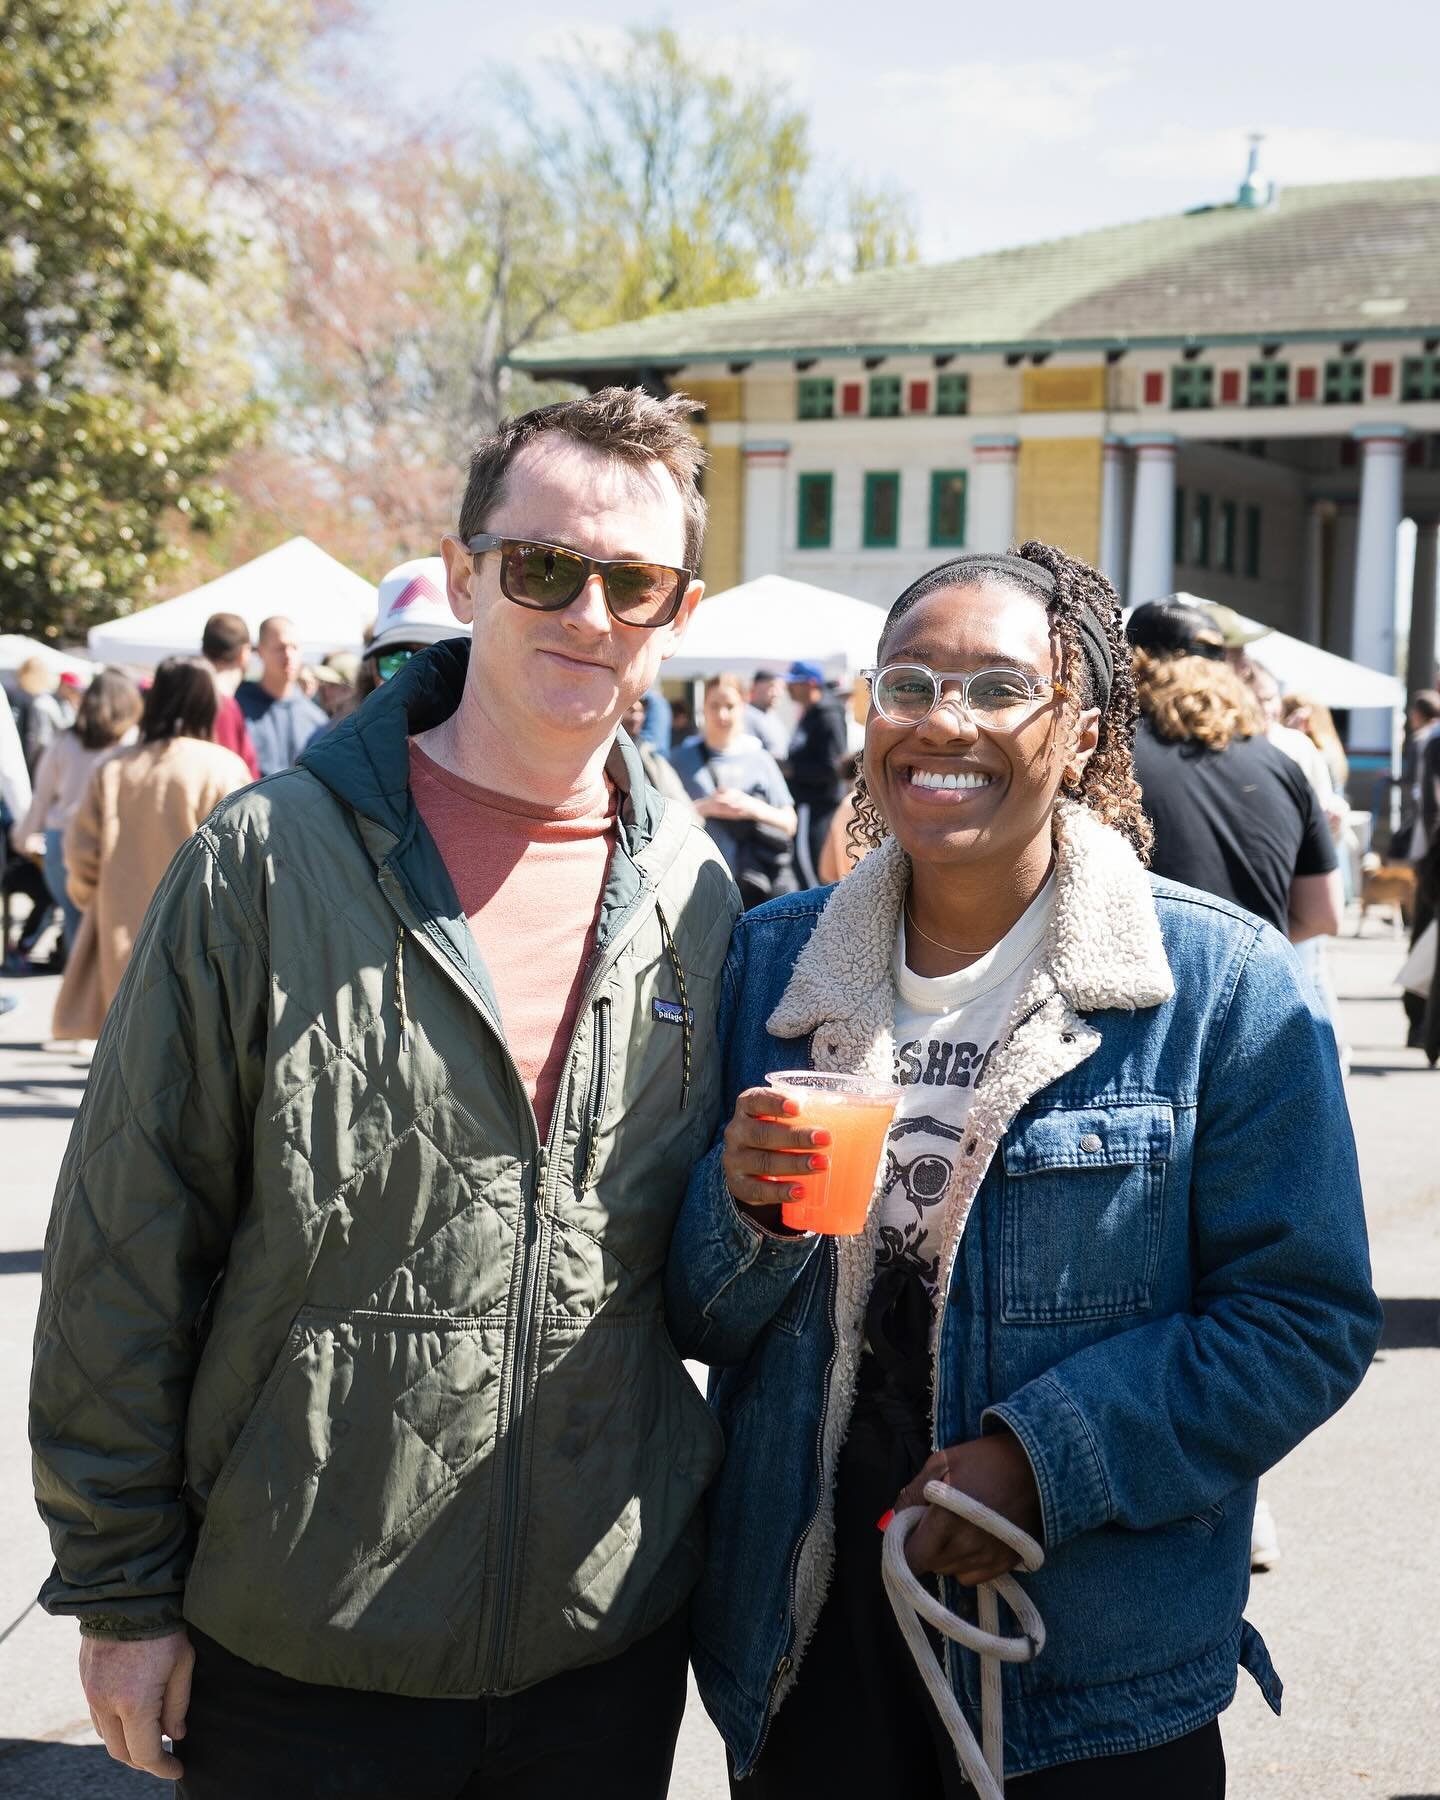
912	1601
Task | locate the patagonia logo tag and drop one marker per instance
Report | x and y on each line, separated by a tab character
669	1013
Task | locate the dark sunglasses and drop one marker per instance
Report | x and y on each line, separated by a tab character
547	577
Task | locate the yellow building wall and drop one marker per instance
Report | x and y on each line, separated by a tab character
1058	494
770	402
995	391
1064	390
722	399
724	495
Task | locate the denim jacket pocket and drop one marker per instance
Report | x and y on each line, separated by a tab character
1084	1192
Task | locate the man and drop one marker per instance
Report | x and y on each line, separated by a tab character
352	1386
225	645
760	719
1232	814
281	720
812	763
412	613
1422	720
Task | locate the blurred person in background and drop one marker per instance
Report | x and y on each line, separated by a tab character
139	806
1304	713
412	613
225	645
106	722
1419	839
14	802
761	719
738	791
43	712
659	771
817	748
336	675
1422	721
281	719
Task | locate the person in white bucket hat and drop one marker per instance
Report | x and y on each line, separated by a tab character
413	613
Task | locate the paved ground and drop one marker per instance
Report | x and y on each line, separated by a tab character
1348	1615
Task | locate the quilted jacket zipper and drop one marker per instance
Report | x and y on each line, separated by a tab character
599	1092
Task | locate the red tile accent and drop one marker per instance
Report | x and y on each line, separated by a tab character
1382	380
1154	388
850	397
919	396
1229	387
1307	383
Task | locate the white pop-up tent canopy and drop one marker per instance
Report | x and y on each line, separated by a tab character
329	605
1302	668
15	650
771	622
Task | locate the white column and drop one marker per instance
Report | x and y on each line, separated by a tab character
1112	512
1420	663
1152	528
1372	629
766	471
992	493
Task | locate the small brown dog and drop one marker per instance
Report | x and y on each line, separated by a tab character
1387	884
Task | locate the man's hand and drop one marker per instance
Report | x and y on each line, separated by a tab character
137	1690
993	1470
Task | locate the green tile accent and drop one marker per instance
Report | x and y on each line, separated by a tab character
952	394
1192	386
1344	381
1269	384
1420	378
884	396
815	508
947	508
882	511
815	398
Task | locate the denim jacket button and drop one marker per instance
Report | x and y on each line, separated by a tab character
1090	1142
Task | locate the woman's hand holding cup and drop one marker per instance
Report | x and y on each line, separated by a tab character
767	1153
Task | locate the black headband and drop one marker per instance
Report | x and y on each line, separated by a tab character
1094	645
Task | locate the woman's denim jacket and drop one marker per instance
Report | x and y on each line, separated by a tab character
1156	1275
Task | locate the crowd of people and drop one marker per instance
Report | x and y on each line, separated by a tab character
435	1113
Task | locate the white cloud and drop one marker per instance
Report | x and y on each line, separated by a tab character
996	108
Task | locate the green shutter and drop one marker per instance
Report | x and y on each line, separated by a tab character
815	398
1420	378
952	394
947	508
1200	532
816	493
882	511
1344	381
1226	559
1252	541
1192	386
884	396
1177	549
1269	384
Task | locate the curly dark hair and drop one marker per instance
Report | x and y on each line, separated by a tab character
1107	785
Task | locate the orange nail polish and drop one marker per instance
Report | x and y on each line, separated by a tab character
885	1519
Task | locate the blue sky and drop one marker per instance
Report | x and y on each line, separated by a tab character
1008	123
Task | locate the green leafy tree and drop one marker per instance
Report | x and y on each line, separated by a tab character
105	438
880	222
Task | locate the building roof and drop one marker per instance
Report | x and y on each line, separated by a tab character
1352	259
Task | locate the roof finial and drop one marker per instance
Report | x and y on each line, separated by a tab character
1255	190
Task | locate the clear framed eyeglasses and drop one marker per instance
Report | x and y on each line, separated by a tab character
995	699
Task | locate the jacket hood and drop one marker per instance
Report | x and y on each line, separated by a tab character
365	759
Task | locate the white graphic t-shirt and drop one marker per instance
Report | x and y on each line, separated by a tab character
947	1027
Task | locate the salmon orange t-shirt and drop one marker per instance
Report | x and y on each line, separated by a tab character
530	880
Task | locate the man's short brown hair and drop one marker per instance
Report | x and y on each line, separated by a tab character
224	637
626	423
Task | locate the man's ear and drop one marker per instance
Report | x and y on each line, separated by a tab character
460	573
693	596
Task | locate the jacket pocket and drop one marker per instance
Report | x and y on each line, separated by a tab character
1083	1199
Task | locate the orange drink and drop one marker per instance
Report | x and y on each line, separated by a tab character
856	1110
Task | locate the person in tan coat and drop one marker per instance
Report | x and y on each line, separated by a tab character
136	812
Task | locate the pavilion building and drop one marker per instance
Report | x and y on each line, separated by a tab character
1242	401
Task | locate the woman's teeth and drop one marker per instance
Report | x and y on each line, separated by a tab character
929	778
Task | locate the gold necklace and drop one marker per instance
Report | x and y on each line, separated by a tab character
953	949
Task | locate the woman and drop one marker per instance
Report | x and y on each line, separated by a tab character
137	810
104	724
1162	1285
738	790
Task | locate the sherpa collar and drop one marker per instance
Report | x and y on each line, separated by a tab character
1103	947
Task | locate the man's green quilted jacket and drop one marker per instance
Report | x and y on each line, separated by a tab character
334	1358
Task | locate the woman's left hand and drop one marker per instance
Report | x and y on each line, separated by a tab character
993	1470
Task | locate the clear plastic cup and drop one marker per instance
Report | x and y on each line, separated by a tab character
856	1110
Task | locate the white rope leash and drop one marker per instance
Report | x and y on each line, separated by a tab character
913	1602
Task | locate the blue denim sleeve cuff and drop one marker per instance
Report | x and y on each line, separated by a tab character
1074	1494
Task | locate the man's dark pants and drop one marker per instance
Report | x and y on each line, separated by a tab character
607	1731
